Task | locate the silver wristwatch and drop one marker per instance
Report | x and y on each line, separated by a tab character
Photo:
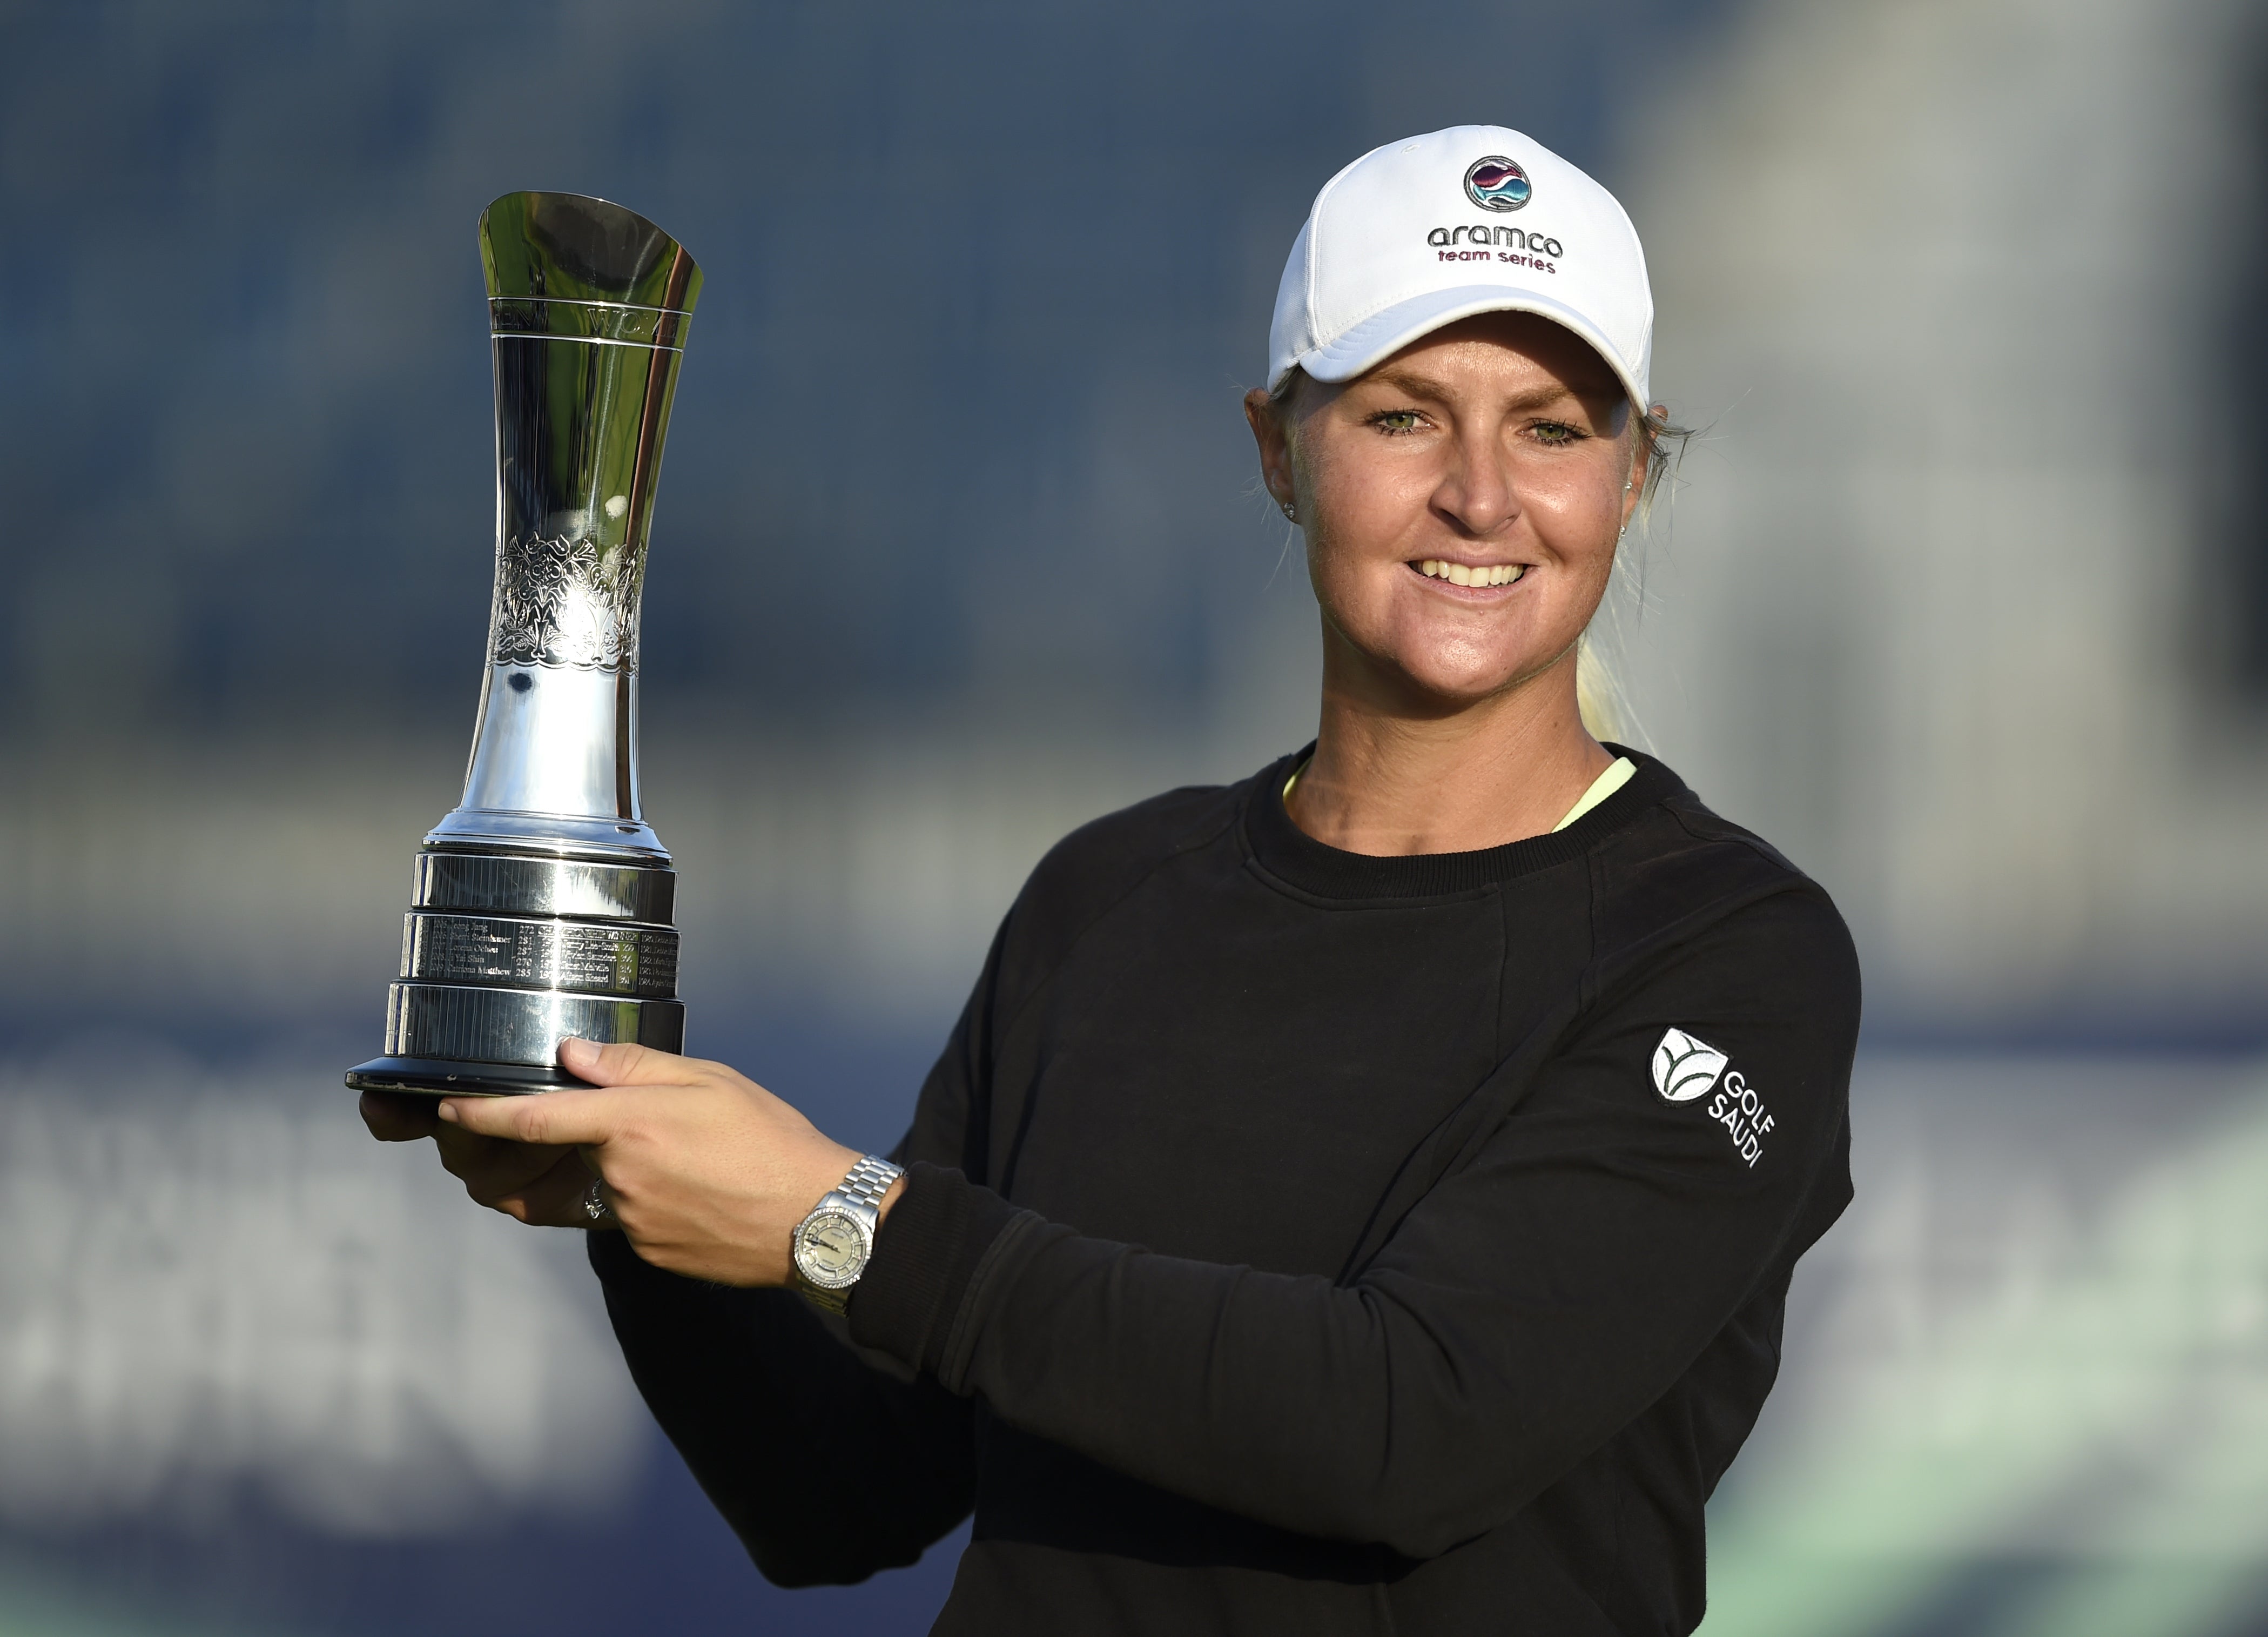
833	1245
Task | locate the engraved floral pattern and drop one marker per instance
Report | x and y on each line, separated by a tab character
566	602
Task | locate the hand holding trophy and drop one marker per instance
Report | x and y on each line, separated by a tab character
541	907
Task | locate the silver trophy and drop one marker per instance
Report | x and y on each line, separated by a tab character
542	907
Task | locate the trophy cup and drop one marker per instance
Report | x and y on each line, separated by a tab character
542	907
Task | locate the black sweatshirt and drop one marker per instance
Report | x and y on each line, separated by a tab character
1303	1242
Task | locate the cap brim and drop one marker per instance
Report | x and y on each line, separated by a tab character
1364	345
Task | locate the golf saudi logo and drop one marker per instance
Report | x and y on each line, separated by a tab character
1684	1068
1687	1069
1496	183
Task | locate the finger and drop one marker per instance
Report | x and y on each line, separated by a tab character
552	1199
489	1165
622	1064
562	1198
558	1119
398	1116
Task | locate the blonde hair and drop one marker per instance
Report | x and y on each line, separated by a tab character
1599	696
1599	693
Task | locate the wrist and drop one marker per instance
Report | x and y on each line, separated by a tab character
822	1173
828	1170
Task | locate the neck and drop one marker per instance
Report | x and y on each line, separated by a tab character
1392	778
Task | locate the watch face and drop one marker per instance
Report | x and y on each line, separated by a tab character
830	1248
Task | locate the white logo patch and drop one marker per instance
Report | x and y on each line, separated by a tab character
1685	1068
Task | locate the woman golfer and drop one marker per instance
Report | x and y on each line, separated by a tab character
1360	1199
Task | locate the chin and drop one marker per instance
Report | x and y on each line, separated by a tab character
1442	664
1455	683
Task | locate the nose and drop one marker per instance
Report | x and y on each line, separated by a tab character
1475	493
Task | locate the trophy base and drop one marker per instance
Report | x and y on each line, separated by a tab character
506	954
453	1077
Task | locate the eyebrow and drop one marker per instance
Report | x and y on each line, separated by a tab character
1419	385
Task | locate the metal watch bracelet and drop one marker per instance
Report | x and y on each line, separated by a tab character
868	1181
859	1195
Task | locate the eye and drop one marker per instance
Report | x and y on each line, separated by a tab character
1555	434
1397	423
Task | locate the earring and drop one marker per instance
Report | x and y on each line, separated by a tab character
1290	514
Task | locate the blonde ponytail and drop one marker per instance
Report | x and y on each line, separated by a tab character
1598	695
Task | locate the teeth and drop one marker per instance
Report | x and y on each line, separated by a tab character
1458	574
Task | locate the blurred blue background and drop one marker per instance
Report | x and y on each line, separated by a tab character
1958	598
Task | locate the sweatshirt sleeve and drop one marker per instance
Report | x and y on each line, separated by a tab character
1550	1286
784	1423
782	1419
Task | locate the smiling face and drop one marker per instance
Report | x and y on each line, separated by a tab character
1461	503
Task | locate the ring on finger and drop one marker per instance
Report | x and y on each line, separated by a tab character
601	1214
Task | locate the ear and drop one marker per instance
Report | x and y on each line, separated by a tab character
1634	483
1275	447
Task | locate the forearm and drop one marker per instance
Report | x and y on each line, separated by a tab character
1465	1370
1330	1411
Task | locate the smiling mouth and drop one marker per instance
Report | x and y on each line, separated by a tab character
1467	574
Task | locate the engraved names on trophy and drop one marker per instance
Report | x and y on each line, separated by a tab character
617	960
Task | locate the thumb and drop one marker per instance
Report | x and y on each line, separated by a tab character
620	1063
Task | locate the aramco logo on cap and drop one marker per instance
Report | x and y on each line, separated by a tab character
1496	183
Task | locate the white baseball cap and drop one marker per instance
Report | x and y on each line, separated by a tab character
1476	219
